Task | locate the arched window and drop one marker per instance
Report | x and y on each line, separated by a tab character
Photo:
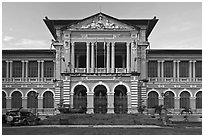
152	99
3	99
32	100
169	99
199	100
48	100
80	97
185	100
16	99
120	99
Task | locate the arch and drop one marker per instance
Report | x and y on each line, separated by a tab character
171	91
124	84
100	99
120	99
26	95
169	99
14	91
197	92
191	95
199	100
185	99
80	83
159	95
5	93
46	91
32	101
3	99
80	97
101	83
16	99
48	99
153	99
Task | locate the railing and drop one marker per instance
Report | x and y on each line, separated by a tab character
121	70
171	79
100	70
80	70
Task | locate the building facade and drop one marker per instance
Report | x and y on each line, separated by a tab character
103	64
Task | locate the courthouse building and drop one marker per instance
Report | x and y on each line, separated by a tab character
103	64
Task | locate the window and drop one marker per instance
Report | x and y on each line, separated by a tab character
185	100
32	69
152	99
152	69
3	99
17	69
169	99
48	100
198	69
32	100
3	69
184	69
199	100
16	99
48	69
168	69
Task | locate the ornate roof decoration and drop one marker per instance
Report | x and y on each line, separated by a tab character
100	22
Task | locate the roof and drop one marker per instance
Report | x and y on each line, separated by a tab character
27	51
174	51
134	22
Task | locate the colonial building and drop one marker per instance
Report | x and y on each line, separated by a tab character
103	64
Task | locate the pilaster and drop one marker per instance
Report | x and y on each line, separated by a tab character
110	103
90	103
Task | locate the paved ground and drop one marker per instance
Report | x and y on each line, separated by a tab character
100	130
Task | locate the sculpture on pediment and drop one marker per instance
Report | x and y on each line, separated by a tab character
100	24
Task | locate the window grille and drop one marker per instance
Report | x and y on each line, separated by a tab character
16	99
32	69
48	68
17	69
184	69
198	69
152	69
168	69
199	100
3	69
48	100
185	100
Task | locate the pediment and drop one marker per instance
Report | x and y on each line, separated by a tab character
100	22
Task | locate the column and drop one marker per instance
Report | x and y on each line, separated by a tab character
178	70
128	57
90	103
40	102
72	57
77	62
11	67
92	58
108	58
190	70
194	70
38	70
158	69
54	62
162	70
24	102
161	101
8	102
174	70
177	105
22	70
87	57
42	70
123	57
110	103
193	103
113	57
26	74
7	70
129	102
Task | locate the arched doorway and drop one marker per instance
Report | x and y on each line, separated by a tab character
120	99
100	99
32	100
169	99
16	99
185	99
3	99
48	100
153	99
80	97
199	100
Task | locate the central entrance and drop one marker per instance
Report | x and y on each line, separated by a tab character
100	99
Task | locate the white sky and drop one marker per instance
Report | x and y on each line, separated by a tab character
179	25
